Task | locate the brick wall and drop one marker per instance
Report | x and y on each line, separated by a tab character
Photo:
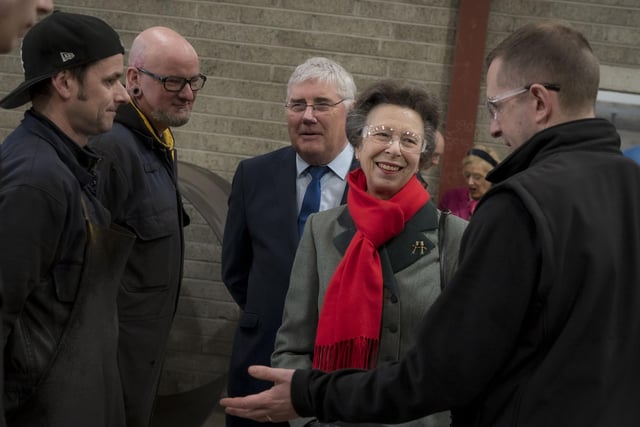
248	48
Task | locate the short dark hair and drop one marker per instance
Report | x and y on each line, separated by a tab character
550	52
43	88
395	92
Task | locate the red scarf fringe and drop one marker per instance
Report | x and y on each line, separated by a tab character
358	353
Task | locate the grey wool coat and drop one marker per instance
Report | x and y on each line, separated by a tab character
411	274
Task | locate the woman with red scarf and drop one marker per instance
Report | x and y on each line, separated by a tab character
365	273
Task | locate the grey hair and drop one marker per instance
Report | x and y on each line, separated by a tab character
328	71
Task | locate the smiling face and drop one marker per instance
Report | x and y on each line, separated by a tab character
162	52
16	17
387	167
318	137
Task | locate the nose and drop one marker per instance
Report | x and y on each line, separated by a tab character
308	115
393	146
44	6
187	93
122	96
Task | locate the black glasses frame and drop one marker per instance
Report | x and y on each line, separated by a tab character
195	83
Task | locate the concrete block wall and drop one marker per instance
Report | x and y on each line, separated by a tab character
248	48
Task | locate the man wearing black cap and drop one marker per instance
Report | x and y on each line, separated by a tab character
58	259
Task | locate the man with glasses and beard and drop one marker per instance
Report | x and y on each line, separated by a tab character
138	183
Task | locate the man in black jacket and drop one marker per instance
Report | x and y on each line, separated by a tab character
16	17
539	326
59	261
138	183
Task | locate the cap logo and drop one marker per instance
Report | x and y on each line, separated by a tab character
67	56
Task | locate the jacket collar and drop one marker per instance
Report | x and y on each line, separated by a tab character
405	248
129	117
586	135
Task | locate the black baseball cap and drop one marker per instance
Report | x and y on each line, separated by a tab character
59	42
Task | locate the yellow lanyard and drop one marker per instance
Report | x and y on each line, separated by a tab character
167	137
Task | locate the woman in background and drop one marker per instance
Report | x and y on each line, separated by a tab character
476	165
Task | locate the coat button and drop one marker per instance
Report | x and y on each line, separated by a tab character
393	329
394	299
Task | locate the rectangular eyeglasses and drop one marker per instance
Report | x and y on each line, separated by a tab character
176	83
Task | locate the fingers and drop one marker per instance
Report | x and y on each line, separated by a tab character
274	375
273	405
245	408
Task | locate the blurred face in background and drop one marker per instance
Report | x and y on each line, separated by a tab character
16	17
474	174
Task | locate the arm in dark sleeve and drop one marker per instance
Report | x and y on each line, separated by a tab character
30	231
237	255
113	185
466	337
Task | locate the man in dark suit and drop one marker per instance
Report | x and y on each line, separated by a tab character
264	222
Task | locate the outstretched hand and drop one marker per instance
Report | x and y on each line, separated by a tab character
273	405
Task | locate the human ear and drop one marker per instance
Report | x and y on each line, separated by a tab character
63	83
546	103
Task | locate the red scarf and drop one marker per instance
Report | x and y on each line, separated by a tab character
348	333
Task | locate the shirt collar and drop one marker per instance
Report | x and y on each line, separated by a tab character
339	166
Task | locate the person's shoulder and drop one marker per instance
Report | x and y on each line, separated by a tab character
281	154
115	140
330	214
457	222
27	151
331	220
33	163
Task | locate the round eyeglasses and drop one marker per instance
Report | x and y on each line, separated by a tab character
409	142
176	83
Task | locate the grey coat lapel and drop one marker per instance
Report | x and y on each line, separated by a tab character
401	251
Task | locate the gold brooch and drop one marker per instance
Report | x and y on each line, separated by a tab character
418	246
